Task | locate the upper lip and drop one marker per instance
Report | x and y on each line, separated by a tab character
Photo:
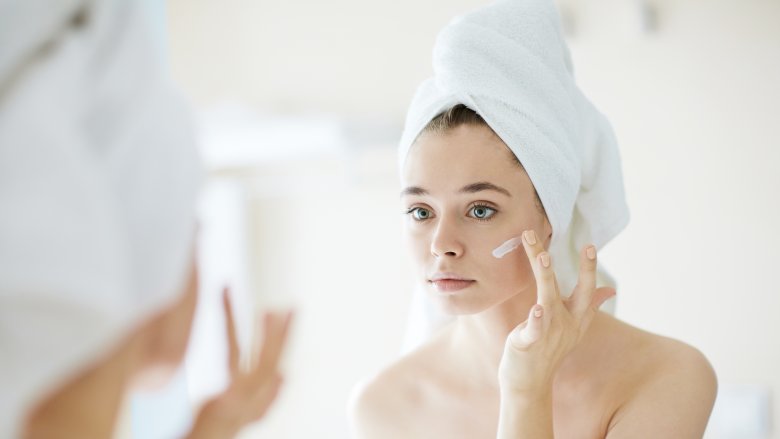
446	276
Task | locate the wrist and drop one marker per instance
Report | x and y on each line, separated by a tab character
539	390
214	422
520	399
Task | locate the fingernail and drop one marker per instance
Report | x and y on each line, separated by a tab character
537	311
545	259
530	237
591	252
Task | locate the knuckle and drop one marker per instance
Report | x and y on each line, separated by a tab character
585	286
520	346
588	264
521	343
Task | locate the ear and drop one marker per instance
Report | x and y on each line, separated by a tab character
547	232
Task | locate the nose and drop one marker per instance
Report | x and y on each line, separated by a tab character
445	241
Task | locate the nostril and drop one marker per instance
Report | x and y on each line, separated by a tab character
450	253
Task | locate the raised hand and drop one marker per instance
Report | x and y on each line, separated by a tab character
250	392
535	349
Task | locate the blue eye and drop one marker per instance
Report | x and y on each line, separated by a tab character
482	213
420	214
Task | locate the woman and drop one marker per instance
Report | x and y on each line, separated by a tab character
511	181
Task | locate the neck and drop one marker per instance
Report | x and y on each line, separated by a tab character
478	339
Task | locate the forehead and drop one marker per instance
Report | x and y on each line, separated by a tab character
459	156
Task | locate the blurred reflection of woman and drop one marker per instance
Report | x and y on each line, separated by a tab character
98	182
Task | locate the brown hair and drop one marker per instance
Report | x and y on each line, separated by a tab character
463	115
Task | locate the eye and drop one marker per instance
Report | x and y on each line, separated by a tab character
420	213
481	212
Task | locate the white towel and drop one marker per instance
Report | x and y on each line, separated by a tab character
98	183
509	62
26	28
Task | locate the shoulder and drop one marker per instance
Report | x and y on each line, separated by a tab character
662	359
670	389
380	405
680	374
383	393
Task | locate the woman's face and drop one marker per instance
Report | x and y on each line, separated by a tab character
464	196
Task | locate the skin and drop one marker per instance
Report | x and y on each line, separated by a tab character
518	361
88	405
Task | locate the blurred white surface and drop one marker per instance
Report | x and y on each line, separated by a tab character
741	412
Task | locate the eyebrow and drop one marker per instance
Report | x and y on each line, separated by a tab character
484	186
468	189
414	190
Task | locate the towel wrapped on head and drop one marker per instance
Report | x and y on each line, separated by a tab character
509	63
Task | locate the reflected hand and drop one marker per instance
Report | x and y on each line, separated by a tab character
535	349
250	392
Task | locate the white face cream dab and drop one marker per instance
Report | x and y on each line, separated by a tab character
507	247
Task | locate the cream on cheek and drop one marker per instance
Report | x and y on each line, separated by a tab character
507	255
507	246
514	241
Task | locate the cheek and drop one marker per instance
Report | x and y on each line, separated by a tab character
417	242
511	273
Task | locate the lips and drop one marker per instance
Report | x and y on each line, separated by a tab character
450	282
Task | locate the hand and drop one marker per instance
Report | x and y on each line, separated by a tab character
535	349
250	392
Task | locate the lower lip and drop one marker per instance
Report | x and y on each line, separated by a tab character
450	285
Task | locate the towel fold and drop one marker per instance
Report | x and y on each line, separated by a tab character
509	63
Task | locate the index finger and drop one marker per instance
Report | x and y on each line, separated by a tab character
230	329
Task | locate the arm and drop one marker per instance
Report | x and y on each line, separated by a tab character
88	405
516	411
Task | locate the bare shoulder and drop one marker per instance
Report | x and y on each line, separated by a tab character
389	392
669	386
381	406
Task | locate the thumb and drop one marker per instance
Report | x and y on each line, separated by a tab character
528	332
